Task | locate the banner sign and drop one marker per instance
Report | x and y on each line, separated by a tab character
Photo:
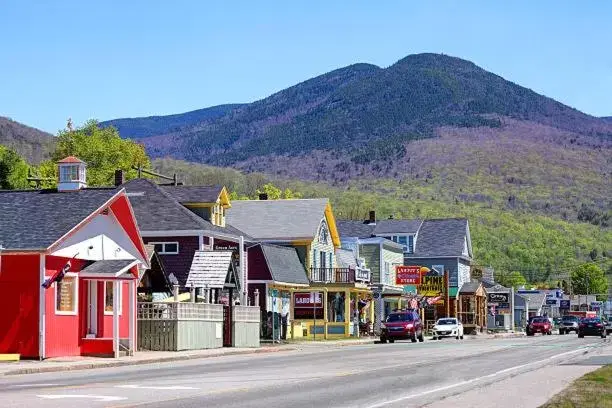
407	275
308	300
551	302
498	298
564	304
431	286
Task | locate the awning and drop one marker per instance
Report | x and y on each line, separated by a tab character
110	269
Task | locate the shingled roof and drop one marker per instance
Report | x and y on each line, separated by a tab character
442	238
284	264
397	226
35	219
194	194
354	229
278	219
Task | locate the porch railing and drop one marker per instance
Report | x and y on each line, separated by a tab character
339	275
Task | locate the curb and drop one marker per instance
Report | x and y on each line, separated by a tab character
125	363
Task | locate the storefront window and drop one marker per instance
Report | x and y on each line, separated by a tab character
335	306
66	295
108	297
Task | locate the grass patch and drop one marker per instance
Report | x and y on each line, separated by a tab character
593	390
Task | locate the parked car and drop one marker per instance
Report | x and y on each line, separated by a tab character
608	326
402	325
568	324
539	325
448	327
591	326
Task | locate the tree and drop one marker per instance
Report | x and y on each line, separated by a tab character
102	149
275	193
514	279
589	279
13	170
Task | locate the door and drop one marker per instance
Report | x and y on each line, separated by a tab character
227	326
92	301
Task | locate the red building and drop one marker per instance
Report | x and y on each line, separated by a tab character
69	266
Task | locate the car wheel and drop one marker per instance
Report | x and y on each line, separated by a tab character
529	334
413	339
421	338
580	336
461	337
383	340
603	335
457	338
562	332
549	333
434	338
391	341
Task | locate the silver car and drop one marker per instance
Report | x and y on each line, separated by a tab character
569	324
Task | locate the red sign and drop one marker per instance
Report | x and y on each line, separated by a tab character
308	300
408	275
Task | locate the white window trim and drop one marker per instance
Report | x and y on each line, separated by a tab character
164	252
76	296
110	312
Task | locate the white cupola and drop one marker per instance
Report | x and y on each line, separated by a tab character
72	174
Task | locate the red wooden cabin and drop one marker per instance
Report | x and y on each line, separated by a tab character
86	245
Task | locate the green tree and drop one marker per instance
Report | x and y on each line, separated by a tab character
589	279
275	193
514	279
102	149
13	170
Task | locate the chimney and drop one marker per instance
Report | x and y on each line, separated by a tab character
72	174
119	177
372	219
263	196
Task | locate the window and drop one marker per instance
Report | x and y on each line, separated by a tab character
406	241
438	268
387	279
108	297
166	248
66	296
69	173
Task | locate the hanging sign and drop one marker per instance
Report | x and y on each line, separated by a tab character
308	300
407	275
431	286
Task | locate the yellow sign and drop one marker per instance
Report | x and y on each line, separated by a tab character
431	286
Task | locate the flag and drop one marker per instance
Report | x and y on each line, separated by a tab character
57	277
432	300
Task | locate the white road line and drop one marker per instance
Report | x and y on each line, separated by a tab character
32	385
152	387
104	398
459	384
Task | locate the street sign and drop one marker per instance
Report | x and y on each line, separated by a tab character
407	275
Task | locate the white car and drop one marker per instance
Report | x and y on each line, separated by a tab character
448	327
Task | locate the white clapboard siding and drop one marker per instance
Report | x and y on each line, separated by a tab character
209	269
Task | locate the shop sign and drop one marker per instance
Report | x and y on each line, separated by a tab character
362	274
225	246
407	275
564	304
431	286
498	298
308	300
503	305
551	302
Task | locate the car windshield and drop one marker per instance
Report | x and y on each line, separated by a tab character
399	317
570	318
540	320
591	320
446	321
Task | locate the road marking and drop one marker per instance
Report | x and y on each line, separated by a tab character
152	387
473	380
104	398
32	385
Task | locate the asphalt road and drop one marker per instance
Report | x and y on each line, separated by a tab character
370	376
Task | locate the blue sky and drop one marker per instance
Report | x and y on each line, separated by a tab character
109	59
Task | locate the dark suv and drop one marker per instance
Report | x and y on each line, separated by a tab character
569	324
402	325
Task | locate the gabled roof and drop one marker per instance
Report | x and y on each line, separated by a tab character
469	288
111	268
198	194
71	159
345	258
158	210
397	226
354	229
209	269
36	219
282	220
442	238
284	264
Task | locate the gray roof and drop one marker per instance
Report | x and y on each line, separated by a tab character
356	229
209	269
397	226
107	267
278	219
345	258
35	219
441	237
284	264
194	194
536	300
469	287
157	210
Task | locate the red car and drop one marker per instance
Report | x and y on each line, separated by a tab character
403	325
539	325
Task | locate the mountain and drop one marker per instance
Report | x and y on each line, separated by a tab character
156	125
363	108
32	144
